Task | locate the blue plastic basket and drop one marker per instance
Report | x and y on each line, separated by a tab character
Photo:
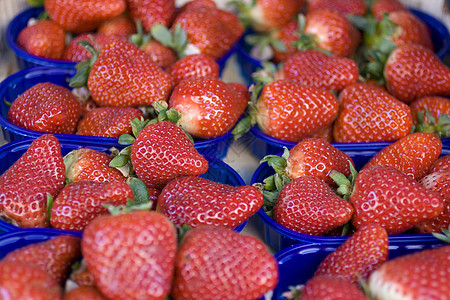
218	170
280	237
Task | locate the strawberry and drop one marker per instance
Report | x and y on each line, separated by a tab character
83	293
413	154
441	164
26	184
136	245
90	164
288	36
162	151
77	53
108	121
431	114
80	202
121	26
413	71
354	7
194	65
208	106
380	7
322	287
315	68
20	280
82	16
396	207
151	12
82	276
421	275
54	256
45	39
308	205
369	114
162	55
358	256
46	107
325	133
193	200
245	267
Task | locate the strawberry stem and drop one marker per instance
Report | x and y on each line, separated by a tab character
50	201
84	68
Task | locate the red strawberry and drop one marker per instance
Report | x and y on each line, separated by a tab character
46	107
369	114
162	151
438	181
82	276
358	256
121	26
308	205
80	202
421	275
354	7
193	200
325	133
136	255
288	35
108	121
411	30
397	207
413	71
25	185
231	265
208	106
54	256
441	164
381	7
44	39
413	154
434	104
315	68
195	65
90	164
23	281
77	53
83	293
323	287
162	55
82	16
151	12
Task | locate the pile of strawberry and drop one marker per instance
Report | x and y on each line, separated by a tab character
347	71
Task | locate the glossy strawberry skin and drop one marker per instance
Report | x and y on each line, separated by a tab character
354	7
193	200
46	107
77	53
436	106
162	55
136	257
308	205
121	26
195	65
288	35
267	15
245	268
54	256
315	68
380	7
291	111
358	256
411	30
397	208
421	275
413	154
413	71
129	75
441	164
151	12
24	186
322	287
83	16
43	39
370	114
83	293
108	121
162	152
80	202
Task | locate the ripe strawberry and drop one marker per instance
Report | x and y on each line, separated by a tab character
325	133
369	114
90	164
396	207
323	287
413	71
381	7
421	275
315	68
413	154
245	267
288	35
77	53
20	280
162	151
436	105
193	200
46	107
410	30
151	12
441	164
54	256
121	26
208	106
82	276
358	256
108	121
354	7
80	202
162	55
308	205
83	293
137	245
83	16
25	185
44	39
194	65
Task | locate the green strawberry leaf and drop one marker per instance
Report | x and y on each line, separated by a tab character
131	206
126	139
242	127
162	34
445	236
36	3
119	161
50	201
140	191
84	67
270	198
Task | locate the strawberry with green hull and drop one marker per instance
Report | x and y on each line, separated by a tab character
195	65
431	114
75	52
325	287
151	12
380	7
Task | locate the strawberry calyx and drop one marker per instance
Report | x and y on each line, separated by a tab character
140	38
306	41
176	39
84	67
244	125
260	42
441	127
50	201
36	3
294	293
141	199
345	184
244	11
444	236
